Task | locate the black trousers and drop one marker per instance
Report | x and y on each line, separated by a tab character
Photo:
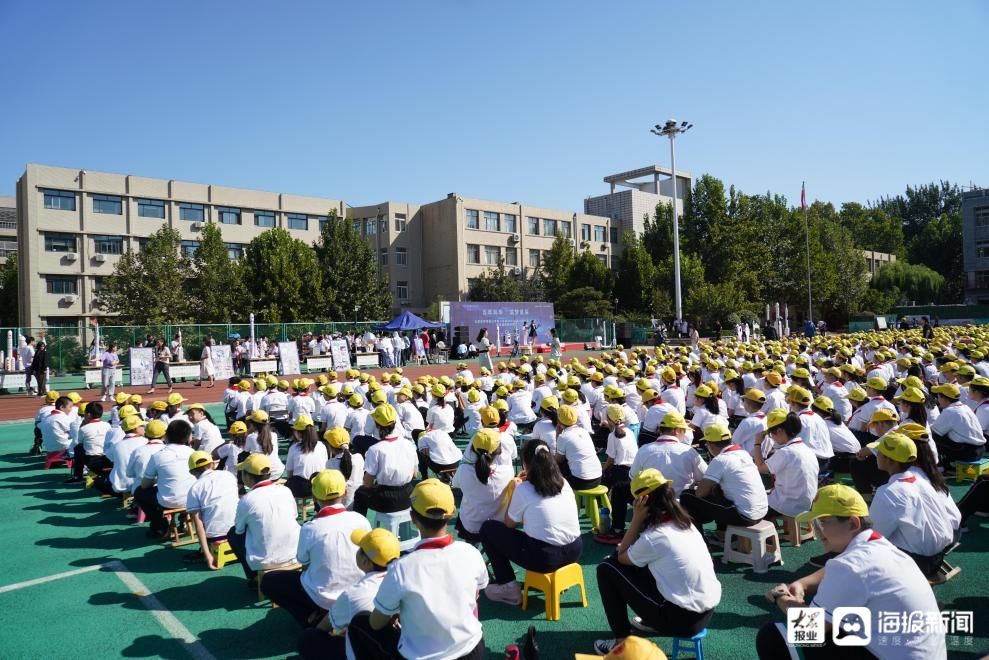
616	474
299	485
318	645
427	464
715	507
383	499
371	644
361	443
957	451
770	644
468	537
238	544
842	462
976	499
621	498
147	499
161	368
78	461
623	587
576	482
284	588
505	546
866	474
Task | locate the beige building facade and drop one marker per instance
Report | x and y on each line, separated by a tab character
8	227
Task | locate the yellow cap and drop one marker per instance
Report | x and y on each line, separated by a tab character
633	648
884	415
378	397
355	400
500	404
282	385
570	396
74	397
897	446
836	500
379	545
302	422
911	394
155	429
174	399
487	440
858	394
407	392
752	394
384	415
773	378
914	431
673	420
647	481
877	383
616	414
337	437
649	394
980	381
199	458
135	399
160	406
131	423
431	498
126	411
597	377
238	428
438	390
489	416
704	392
195	406
775	417
800	372
120	398
824	403
717	433
949	390
329	485
51	396
258	416
567	416
257	464
797	394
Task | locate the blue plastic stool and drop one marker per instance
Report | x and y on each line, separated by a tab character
697	641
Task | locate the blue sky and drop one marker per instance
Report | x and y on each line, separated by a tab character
511	100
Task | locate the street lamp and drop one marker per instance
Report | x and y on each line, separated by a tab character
672	129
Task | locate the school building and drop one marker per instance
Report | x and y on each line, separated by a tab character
975	245
8	227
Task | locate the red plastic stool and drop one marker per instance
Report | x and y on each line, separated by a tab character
53	457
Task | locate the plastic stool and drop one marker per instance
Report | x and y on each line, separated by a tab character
394	522
764	546
53	457
592	499
971	470
223	553
552	585
698	645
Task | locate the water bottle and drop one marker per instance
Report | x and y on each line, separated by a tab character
605	517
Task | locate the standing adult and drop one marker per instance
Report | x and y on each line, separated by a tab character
555	348
207	368
533	332
27	358
163	355
108	374
39	368
483	349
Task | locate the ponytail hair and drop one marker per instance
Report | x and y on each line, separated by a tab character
482	465
346	462
620	431
264	438
712	405
927	462
662	503
541	469
308	439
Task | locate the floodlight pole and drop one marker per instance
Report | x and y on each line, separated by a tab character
671	129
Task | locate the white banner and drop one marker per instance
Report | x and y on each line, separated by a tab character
341	354
142	365
289	354
223	365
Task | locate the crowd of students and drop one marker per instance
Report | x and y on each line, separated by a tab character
726	432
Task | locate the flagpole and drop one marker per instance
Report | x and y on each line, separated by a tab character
803	203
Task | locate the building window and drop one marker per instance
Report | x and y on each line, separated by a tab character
491	222
492	255
108	204
614	263
604	259
60	243
473	254
298	221
549	227
509	223
511	257
141	244
614	235
585	233
402	289
401	256
370	226
60	200
61	322
600	233
382	226
981	215
264	218
534	258
151	208
235	251
357	225
188	248
400	222
473	219
981	250
192	212
99	283
228	215
383	256
533	224
982	279
321	221
8	249
109	244
565	228
61	285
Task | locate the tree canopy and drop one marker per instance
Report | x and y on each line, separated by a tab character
216	284
349	265
8	291
282	277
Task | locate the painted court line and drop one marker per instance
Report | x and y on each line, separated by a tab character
50	578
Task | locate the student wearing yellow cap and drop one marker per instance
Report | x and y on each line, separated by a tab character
55	428
751	429
262	440
389	467
432	590
844	443
875	389
482	479
326	552
306	456
350	465
957	431
440	415
376	550
411	421
359	424
206	435
212	505
92	438
166	480
661	570
575	452
868	571
793	466
275	404
119	455
439	453
154	436
543	503
621	448
301	403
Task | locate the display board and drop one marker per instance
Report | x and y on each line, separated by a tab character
142	366
502	317
223	364
340	353
288	352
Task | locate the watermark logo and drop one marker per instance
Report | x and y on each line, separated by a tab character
805	626
851	626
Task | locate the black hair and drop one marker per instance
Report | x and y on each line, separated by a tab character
481	333
791	425
711	405
385	431
661	503
234	380
738	383
346	462
308	439
833	416
984	391
179	432
865	522
172	410
265	441
541	469
550	414
483	463
927	462
94	410
61	401
619	431
430	525
918	412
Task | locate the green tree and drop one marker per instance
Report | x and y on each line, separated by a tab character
216	287
657	233
585	302
149	287
636	279
282	277
708	303
912	282
556	266
705	207
691	275
922	204
8	292
874	229
589	271
495	285
850	271
351	287
939	247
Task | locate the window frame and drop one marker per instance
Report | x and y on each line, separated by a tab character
185	251
297	218
115	201
63	279
54	235
144	203
538	258
401	222
383	256
185	207
238	247
268	216
585	232
223	211
472	249
472	219
492	217
488	251
54	194
401	256
550	223
600	234
399	293
532	223
108	239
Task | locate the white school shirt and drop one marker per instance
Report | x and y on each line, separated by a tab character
577	447
359	422
208	435
92	436
654	416
674	396
704	418
794	468
334	414
240	402
170	469
868	409
306	464
815	433
622	451
56	428
440	418
252	446
352	601
545	430
737	475
839	397
442	449
328	554
678	462
912	515
775	398
231	452
873	573
746	435
301	404
391	461
843	441
552	520
472	417
982	414
481	502
139	460
681	565
959	424
214	496
356	479
434	589
520	407
120	454
410	418
275	403
267	515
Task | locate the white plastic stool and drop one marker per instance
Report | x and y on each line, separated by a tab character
764	546
394	522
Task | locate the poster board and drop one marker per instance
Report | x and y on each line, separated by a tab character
289	354
223	364
340	353
881	323
142	366
502	317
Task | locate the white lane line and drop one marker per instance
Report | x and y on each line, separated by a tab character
164	616
50	578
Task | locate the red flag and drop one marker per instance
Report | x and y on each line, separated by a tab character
803	196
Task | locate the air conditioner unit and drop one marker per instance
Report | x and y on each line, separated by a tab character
604	246
71	256
99	258
196	226
516	271
69	299
514	238
585	244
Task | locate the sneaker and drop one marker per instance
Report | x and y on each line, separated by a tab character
604	646
609	538
637	624
509	593
820	560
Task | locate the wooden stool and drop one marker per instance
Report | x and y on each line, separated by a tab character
223	553
592	499
294	566
173	516
971	470
763	546
797	534
395	523
552	585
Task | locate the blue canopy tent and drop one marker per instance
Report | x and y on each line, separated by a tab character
407	321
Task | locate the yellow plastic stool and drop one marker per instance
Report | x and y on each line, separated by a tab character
223	553
552	585
592	499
